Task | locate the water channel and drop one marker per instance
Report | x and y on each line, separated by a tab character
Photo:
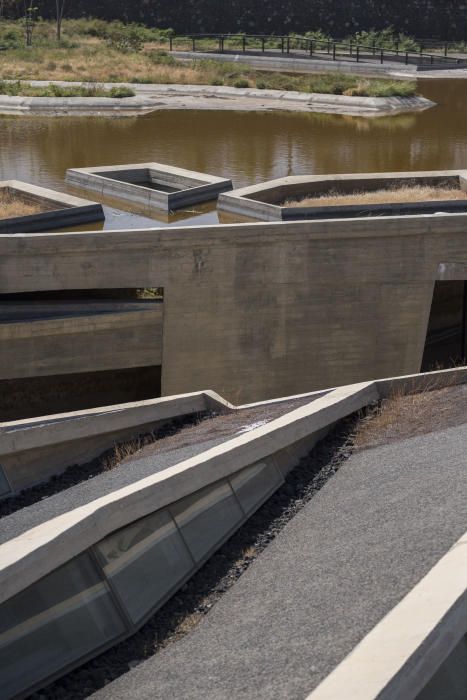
248	147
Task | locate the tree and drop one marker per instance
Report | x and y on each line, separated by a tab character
29	20
60	8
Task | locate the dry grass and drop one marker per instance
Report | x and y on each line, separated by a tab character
406	194
11	206
97	52
404	415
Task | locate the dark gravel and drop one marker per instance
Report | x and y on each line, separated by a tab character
183	612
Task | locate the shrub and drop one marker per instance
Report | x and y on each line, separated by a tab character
241	83
121	92
261	85
161	58
216	81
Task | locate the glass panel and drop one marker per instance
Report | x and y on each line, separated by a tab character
53	623
144	561
255	484
4	486
450	680
206	517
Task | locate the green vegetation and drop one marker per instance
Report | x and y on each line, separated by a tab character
91	51
17	88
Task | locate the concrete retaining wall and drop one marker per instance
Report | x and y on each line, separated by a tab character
263	310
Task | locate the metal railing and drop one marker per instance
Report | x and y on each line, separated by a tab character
333	50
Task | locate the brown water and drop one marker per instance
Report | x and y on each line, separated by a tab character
248	147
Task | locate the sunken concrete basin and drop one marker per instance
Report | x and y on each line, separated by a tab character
279	200
152	184
50	209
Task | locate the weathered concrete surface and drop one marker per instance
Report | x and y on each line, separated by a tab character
178	187
267	201
60	209
360	545
67	338
226	98
76	106
262	310
32	451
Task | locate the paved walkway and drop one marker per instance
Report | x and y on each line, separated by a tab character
338	567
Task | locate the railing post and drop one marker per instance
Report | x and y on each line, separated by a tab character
406	58
350	44
311	47
282	44
445	50
358	53
382	55
194	44
397	48
288	44
333	52
374	48
244	43
170	43
431	59
329	47
262	43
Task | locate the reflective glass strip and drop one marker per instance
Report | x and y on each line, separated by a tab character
53	624
144	562
255	484
206	517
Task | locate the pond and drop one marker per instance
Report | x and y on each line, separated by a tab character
248	147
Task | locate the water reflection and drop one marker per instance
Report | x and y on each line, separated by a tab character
249	147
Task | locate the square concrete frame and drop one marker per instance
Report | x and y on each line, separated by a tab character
178	187
266	200
61	210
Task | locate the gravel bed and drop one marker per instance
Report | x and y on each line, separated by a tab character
185	610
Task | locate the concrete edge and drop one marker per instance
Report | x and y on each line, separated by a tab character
401	653
42	431
249	201
278	99
80	106
37	552
70	211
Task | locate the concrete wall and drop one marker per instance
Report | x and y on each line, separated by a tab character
267	309
65	338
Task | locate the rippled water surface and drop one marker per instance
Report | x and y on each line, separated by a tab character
248	147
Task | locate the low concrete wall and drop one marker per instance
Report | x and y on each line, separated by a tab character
33	450
268	201
223	97
63	210
75	106
130	183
